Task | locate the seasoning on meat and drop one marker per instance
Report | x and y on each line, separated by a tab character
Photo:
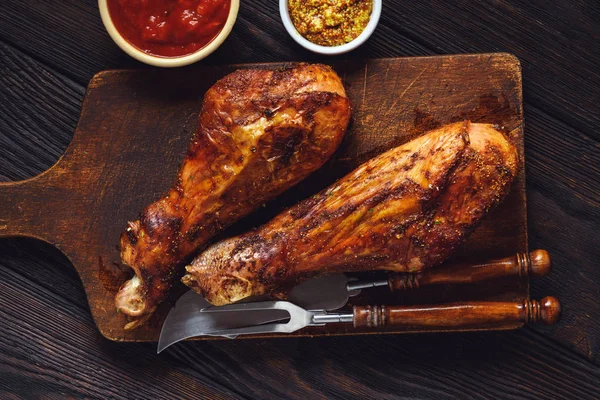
330	22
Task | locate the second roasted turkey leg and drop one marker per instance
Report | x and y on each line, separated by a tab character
405	210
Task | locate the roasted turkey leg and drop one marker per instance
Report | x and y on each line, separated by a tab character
405	210
259	133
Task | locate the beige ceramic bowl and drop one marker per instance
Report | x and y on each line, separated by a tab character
168	62
330	50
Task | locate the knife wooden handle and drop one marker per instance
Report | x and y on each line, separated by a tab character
537	263
459	315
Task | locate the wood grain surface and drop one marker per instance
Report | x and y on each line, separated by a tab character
460	314
50	348
534	264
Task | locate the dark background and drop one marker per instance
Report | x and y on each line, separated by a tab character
49	346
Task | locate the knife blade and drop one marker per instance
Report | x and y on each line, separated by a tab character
186	320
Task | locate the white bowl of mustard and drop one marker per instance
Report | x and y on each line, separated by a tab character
330	27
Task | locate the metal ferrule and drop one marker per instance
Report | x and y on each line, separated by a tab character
328	318
365	285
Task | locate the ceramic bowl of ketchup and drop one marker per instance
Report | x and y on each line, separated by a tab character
167	33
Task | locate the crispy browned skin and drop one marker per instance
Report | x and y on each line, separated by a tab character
259	133
404	210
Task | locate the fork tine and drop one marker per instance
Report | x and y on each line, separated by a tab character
254	330
262	305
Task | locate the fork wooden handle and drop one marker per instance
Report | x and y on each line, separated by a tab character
459	315
537	263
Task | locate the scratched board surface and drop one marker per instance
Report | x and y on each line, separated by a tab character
134	131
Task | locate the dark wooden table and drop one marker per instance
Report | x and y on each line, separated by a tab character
50	348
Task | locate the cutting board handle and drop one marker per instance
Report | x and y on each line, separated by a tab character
28	208
459	315
535	264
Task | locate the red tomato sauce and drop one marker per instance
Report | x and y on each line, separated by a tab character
169	28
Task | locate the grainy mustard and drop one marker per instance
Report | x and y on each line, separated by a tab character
330	22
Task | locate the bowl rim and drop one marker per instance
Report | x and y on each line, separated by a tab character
168	62
330	50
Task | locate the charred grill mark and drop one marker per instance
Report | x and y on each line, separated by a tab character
147	278
311	224
325	215
301	209
194	232
174	224
382	195
131	236
280	275
148	222
400	229
284	74
157	222
251	240
408	186
260	105
261	275
285	143
417	241
290	148
504	172
278	236
293	65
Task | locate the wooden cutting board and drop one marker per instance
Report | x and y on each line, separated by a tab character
134	131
